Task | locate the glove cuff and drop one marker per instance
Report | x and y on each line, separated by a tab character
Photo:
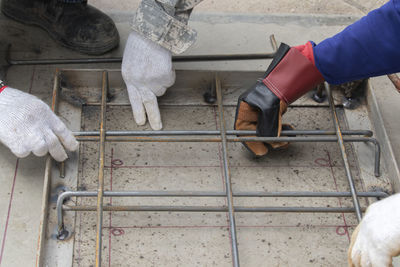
292	73
307	51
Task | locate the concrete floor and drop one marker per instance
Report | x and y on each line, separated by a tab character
187	239
338	7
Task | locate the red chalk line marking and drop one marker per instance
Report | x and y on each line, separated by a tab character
117	232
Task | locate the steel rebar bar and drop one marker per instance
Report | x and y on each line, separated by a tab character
343	153
214	209
185	58
100	190
166	138
46	184
366	133
179	58
228	184
66	195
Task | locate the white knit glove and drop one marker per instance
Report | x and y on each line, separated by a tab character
28	125
147	71
377	238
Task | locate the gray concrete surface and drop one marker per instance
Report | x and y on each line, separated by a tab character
21	190
338	7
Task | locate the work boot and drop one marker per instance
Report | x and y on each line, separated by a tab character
77	26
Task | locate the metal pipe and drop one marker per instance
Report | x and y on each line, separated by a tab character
213	209
100	190
228	184
343	153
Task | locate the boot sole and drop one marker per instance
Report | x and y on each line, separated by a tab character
45	26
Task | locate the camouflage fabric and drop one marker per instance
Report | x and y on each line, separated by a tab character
165	23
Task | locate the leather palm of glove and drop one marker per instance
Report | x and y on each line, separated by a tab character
147	72
28	125
377	238
290	75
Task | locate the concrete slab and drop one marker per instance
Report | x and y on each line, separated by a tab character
150	246
316	247
22	224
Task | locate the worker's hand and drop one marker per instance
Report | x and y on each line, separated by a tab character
290	75
28	125
147	71
377	238
247	118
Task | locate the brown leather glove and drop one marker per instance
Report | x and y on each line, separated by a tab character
247	119
290	75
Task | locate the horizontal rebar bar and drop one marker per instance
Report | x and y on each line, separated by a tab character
214	209
204	105
185	58
365	133
229	139
115	137
69	194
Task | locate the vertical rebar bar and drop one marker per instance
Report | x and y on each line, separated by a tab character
343	153
62	169
100	189
228	184
54	107
47	182
273	42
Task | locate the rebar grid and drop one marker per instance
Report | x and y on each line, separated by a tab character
223	136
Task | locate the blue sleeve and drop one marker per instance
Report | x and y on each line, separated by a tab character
369	47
